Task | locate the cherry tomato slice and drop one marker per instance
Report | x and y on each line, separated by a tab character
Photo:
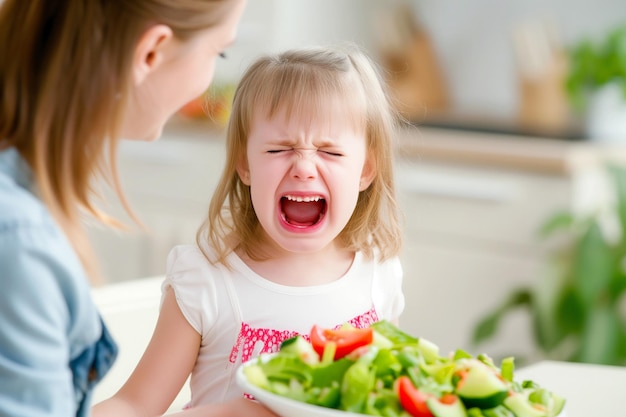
346	340
412	399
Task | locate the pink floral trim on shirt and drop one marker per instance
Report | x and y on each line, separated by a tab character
254	341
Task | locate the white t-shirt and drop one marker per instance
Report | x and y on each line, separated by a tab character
240	314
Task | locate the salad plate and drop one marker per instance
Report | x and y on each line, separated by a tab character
286	407
389	373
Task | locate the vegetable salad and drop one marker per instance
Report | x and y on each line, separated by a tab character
383	371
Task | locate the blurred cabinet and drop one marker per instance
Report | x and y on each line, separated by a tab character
471	238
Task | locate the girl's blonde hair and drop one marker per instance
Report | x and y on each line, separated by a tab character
304	82
65	70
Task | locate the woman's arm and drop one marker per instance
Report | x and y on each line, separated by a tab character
35	322
162	370
35	377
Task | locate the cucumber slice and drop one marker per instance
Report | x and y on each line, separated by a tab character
499	411
428	349
300	347
439	409
479	386
521	407
541	397
558	403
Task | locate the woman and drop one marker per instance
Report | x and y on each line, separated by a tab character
75	77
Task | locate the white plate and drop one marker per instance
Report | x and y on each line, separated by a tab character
286	407
283	406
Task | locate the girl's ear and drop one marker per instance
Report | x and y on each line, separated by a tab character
368	173
150	51
244	172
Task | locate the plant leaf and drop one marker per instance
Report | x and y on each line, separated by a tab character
601	341
593	265
570	311
622	341
618	283
582	73
559	221
547	294
488	325
617	174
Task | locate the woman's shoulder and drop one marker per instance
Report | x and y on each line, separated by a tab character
19	207
29	237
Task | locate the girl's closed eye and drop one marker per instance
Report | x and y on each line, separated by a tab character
331	152
279	150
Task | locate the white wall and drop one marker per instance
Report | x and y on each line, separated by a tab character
273	25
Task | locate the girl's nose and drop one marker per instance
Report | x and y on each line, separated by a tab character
304	167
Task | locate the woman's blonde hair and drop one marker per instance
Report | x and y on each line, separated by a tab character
65	69
304	82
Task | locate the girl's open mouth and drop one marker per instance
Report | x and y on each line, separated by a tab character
302	211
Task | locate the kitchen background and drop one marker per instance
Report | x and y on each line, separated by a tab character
474	40
497	150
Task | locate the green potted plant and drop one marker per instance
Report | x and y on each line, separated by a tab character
578	308
596	83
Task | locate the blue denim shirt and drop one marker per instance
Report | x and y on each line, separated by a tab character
54	346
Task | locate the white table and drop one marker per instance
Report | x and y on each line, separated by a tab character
590	390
